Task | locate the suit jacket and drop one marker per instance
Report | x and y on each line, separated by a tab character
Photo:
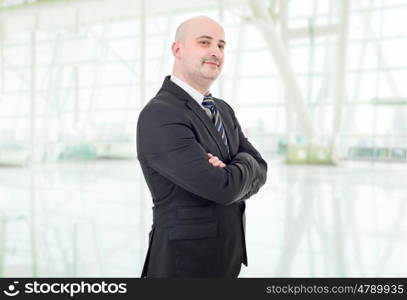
198	212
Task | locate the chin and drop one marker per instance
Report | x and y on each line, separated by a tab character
211	76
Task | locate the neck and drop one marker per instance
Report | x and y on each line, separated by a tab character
202	87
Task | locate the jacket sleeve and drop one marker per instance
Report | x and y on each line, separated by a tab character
166	142
260	166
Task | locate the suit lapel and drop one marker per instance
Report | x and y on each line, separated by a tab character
171	87
200	113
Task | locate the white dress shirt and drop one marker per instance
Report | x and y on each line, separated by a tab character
197	96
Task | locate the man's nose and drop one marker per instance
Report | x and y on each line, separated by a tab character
215	52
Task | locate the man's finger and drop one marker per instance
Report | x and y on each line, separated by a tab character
217	163
213	160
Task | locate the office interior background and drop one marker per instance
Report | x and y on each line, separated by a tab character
319	87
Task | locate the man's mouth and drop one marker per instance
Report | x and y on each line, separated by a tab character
211	63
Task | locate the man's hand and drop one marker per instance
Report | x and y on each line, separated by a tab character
215	161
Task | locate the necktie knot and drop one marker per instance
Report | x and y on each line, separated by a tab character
209	103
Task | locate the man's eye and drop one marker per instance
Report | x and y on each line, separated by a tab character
204	42
221	46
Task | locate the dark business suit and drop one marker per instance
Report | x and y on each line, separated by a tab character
198	213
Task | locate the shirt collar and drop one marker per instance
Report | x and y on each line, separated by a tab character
197	96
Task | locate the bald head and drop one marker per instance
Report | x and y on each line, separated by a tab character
198	52
194	22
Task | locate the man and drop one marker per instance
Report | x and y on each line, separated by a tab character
197	163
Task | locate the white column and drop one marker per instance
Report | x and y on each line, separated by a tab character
2	39
340	87
34	154
142	70
221	13
265	24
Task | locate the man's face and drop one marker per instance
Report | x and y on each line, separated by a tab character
202	51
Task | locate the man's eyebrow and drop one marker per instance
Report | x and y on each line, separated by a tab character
209	38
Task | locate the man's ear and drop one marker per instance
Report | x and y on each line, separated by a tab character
176	49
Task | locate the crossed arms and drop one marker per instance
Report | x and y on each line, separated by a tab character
167	143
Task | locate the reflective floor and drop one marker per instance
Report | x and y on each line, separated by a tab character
92	219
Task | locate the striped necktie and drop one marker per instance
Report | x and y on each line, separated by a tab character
217	120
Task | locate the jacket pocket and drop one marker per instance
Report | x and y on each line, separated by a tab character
196	250
193	231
